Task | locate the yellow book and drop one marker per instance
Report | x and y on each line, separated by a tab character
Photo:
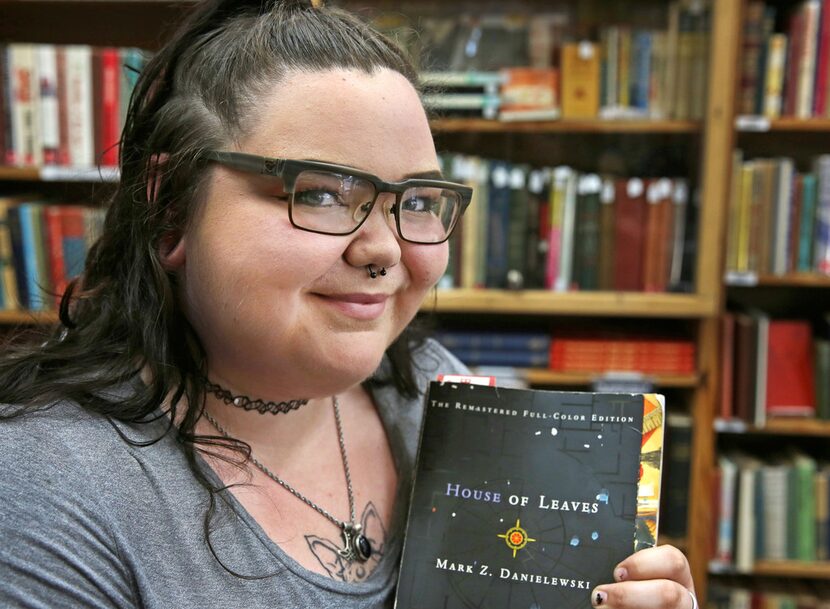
774	79
580	80
747	175
734	211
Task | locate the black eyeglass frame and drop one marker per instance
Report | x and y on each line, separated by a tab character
288	170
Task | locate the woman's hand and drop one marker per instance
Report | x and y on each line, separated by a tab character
656	578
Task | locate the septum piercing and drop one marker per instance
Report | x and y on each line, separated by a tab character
373	273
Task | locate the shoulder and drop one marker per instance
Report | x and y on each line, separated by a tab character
432	358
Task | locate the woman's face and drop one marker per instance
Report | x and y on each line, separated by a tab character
285	313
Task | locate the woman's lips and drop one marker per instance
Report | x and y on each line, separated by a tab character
364	307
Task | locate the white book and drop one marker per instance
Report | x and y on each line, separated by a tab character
774	517
566	253
79	103
47	63
724	549
807	66
745	521
25	93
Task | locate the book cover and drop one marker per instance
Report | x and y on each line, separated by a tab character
790	382
528	498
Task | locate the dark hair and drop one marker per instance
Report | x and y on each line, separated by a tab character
121	317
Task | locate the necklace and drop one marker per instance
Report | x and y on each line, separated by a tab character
246	403
356	545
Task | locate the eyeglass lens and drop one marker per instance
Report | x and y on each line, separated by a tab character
336	203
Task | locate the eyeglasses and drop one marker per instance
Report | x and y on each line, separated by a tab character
336	200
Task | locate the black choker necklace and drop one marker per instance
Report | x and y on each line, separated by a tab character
246	403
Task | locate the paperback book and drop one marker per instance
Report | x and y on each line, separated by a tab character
528	498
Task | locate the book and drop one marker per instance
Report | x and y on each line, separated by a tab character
580	80
629	238
529	94
526	497
518	341
790	382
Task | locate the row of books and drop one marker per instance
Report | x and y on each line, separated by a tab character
572	352
779	218
620	353
64	105
42	247
792	595
493	348
786	72
770	509
774	368
559	229
614	71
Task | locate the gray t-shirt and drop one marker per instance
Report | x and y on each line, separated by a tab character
89	520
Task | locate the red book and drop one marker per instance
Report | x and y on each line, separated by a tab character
790	365
822	61
53	229
630	214
794	53
110	106
63	109
727	410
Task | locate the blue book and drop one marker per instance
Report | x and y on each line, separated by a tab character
498	222
17	256
640	69
32	250
493	357
503	341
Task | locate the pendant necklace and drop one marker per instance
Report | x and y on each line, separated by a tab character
356	545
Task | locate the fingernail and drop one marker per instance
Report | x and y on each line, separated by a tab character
620	574
599	598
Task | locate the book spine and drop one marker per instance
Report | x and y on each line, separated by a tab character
518	219
782	209
795	34
566	253
822	232
81	127
774	79
807	222
63	108
750	51
30	245
74	242
48	99
807	64
498	222
822	61
641	70
54	248
629	234
490	357
587	230
110	106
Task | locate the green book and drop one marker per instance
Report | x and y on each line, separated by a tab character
807	223
822	350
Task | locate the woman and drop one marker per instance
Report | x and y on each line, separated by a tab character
228	414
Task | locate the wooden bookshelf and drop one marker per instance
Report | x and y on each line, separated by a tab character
541	302
27	317
776	568
750	124
465	125
58	174
784	427
792	568
791	280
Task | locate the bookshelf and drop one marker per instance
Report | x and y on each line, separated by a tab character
142	23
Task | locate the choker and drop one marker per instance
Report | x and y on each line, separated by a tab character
246	403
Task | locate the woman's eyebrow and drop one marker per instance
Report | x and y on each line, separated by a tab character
433	174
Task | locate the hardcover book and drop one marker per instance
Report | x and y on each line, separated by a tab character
528	498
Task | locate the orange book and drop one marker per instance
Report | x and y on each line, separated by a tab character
580	80
529	94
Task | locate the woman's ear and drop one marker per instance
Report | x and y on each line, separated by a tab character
172	251
171	248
